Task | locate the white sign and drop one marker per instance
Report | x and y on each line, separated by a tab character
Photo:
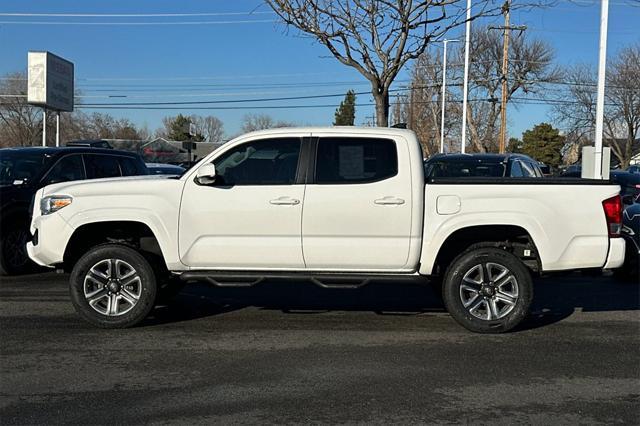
589	162
50	81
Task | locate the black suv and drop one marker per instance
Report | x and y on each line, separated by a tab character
25	170
481	165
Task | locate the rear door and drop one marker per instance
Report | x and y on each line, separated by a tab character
357	210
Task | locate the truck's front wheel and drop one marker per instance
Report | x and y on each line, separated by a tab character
113	286
487	290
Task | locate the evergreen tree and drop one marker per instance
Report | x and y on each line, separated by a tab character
179	130
346	112
542	143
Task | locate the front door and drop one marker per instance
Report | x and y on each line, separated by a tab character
250	218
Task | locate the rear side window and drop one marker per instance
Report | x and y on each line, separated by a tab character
66	169
527	169
355	160
465	168
131	167
101	166
516	169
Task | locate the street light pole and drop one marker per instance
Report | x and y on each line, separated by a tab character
444	91
465	85
604	19
44	127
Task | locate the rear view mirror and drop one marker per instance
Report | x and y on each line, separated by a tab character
206	174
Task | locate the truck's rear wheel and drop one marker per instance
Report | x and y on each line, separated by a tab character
113	286
487	290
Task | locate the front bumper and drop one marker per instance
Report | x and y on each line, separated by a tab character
615	258
53	234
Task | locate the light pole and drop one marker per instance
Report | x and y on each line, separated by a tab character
444	91
602	64
465	85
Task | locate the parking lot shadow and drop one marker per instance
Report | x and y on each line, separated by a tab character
555	298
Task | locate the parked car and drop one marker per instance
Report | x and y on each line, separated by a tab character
165	169
90	143
25	170
546	170
629	185
341	207
634	169
482	165
574	170
631	233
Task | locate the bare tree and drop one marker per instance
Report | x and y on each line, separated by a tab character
530	69
419	107
377	37
210	127
577	108
20	123
253	122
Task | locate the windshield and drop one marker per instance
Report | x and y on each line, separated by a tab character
17	168
465	168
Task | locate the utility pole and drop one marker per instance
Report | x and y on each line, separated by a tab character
465	84
505	71
444	91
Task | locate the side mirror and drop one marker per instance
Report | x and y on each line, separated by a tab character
206	174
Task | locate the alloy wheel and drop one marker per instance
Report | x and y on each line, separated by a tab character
112	287
489	291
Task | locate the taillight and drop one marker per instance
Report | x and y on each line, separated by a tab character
613	213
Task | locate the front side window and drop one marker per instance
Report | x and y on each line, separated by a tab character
262	162
355	160
66	169
101	166
18	167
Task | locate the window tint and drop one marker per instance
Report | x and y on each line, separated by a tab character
516	169
465	168
527	170
264	162
537	170
101	166
351	160
66	169
130	167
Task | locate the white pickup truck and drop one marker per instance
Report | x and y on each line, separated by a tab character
338	206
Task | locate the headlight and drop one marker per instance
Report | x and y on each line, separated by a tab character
53	203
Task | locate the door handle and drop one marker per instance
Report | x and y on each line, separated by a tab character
389	200
284	201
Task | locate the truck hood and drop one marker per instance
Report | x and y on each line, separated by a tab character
104	186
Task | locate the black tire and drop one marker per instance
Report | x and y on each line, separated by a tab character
14	259
487	309
126	258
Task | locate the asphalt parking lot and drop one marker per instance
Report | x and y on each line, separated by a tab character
294	353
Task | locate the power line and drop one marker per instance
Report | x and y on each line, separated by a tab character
141	23
132	15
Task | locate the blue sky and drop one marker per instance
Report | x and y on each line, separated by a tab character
250	60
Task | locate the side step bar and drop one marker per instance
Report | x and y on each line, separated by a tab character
324	280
